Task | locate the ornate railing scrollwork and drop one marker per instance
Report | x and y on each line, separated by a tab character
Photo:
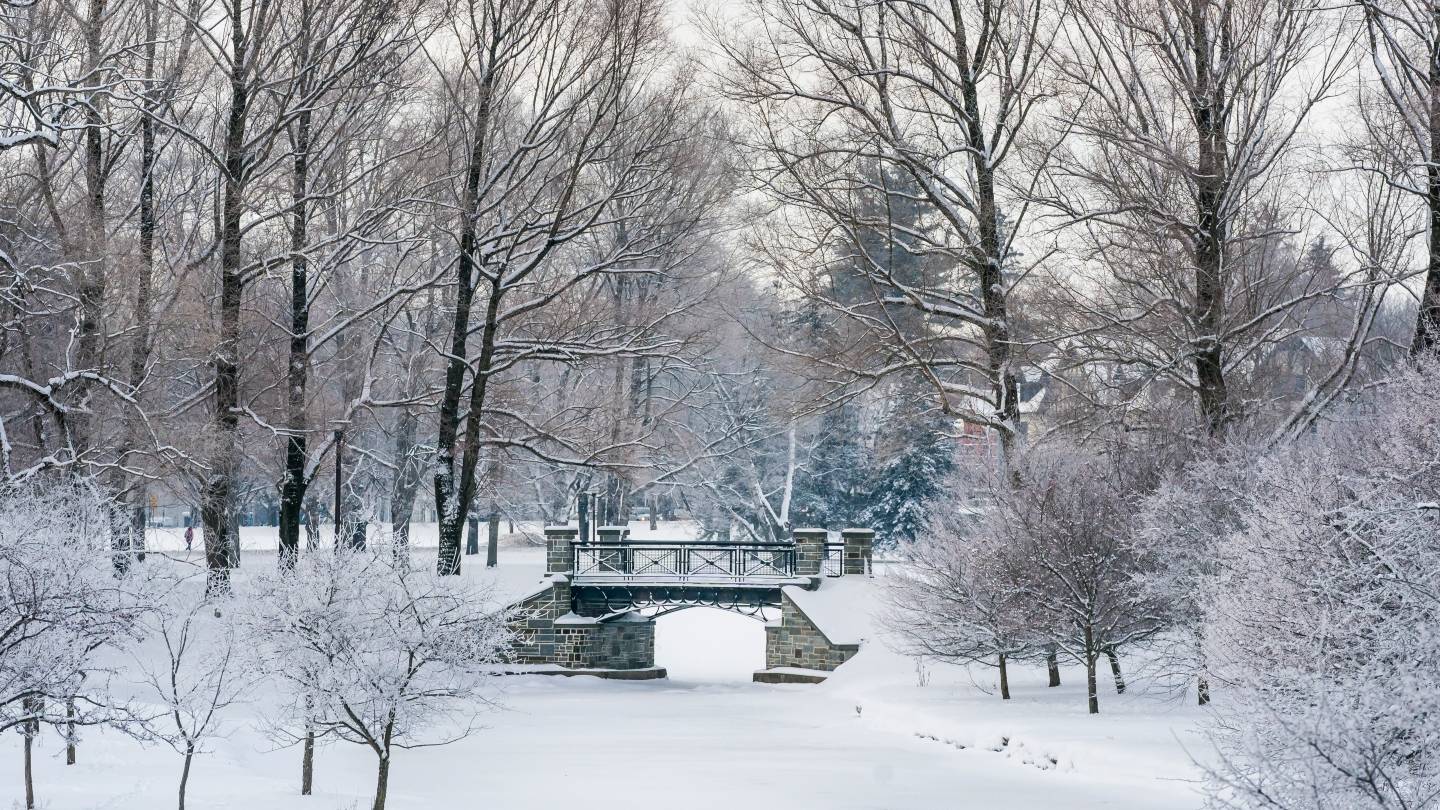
683	562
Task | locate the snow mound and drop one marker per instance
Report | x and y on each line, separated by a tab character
843	608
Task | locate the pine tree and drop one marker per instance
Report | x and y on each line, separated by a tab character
834	489
903	489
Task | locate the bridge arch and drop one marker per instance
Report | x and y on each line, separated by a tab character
707	645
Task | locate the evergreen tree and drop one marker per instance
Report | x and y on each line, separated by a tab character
903	489
834	489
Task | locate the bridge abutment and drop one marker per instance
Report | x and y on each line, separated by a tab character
549	632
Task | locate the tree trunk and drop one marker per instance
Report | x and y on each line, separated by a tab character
472	535
307	761
1004	679
464	496
145	273
293	483
492	541
30	729
1052	666
451	503
217	500
1427	319
234	552
988	263
94	255
1091	656
1202	685
382	782
312	525
406	481
1210	177
359	530
1115	670
185	772
70	731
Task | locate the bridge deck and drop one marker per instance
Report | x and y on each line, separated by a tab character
676	563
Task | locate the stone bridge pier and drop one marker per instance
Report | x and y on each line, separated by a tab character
595	611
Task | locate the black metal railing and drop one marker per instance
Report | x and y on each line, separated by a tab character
683	562
833	563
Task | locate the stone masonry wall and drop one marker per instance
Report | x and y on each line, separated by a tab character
536	639
809	551
558	543
547	632
625	642
795	641
858	546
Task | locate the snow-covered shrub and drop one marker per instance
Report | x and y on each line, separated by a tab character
369	648
60	603
193	669
953	599
1049	562
1323	614
1179	526
61	607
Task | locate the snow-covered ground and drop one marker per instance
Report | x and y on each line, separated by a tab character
422	535
870	737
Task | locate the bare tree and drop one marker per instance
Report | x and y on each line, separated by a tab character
331	46
559	114
60	605
204	672
1186	116
378	652
1403	130
955	600
889	135
1066	550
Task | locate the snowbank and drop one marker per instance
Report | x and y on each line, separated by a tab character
843	608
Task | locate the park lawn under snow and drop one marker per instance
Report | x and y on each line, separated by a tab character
870	737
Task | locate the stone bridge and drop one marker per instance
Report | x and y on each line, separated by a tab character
596	610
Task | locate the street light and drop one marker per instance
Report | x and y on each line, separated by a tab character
340	425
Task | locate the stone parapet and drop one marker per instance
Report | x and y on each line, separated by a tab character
859	545
559	544
809	551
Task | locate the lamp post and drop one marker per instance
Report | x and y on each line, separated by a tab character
584	510
339	461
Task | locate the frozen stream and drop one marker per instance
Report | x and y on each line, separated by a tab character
706	738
